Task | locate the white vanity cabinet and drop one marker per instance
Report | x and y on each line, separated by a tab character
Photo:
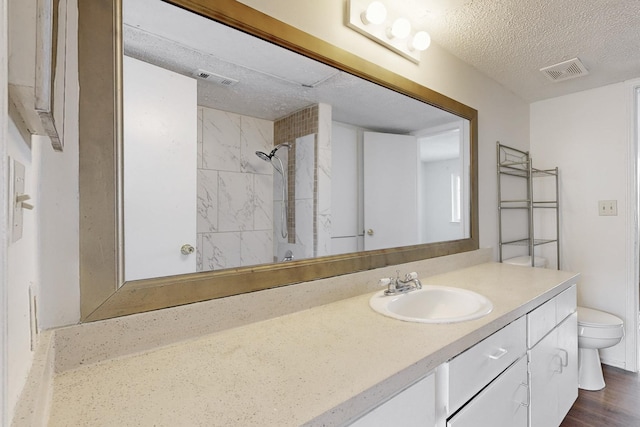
553	359
524	375
414	406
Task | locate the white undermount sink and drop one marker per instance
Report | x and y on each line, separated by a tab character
433	304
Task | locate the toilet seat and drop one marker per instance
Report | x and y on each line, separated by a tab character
597	324
597	319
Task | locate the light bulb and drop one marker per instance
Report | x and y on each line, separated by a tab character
400	29
421	41
376	13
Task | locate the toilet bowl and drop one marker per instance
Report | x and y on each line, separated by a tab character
596	330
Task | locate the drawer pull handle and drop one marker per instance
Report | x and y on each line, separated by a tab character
501	352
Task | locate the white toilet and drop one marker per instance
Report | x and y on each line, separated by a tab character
596	329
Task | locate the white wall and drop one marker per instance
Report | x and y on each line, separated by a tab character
588	136
502	115
4	277
22	275
46	258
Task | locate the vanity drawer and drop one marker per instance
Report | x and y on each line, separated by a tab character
503	403
472	370
550	314
566	303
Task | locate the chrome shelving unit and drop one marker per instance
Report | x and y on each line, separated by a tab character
516	163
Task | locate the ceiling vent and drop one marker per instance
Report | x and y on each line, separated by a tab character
215	78
565	70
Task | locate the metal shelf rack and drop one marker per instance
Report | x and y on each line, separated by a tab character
516	163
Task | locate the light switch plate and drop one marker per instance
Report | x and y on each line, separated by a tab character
608	207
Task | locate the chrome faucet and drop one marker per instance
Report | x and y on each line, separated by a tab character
396	285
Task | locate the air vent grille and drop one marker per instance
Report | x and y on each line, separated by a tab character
565	70
215	78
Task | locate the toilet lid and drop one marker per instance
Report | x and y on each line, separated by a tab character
597	318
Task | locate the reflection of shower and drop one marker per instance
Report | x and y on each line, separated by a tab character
269	158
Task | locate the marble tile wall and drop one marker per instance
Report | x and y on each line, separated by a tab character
235	191
323	182
305	195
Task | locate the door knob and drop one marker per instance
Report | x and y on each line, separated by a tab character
187	249
370	232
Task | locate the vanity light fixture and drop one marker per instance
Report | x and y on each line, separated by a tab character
374	20
376	13
420	41
400	29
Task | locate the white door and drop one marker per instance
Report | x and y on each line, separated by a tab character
160	166
390	185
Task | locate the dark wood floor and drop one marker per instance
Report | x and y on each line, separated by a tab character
617	405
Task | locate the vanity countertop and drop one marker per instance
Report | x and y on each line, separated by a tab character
321	366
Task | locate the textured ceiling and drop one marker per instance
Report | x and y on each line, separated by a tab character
272	82
510	40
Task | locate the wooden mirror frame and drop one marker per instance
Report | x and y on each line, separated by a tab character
103	291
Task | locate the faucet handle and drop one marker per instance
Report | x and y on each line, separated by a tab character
412	275
384	282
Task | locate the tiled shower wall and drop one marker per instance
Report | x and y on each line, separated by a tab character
235	191
309	195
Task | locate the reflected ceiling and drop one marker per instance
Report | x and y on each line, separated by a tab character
276	81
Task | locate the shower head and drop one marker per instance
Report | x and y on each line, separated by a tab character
267	157
263	156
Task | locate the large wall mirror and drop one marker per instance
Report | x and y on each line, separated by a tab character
224	152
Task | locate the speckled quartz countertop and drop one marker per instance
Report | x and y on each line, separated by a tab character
321	366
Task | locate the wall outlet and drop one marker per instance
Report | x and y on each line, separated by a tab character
608	207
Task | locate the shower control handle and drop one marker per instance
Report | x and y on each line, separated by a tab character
187	249
370	232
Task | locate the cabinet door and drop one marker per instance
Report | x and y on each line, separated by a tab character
568	381
502	403
553	367
544	367
413	407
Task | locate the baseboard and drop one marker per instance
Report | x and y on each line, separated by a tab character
615	363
